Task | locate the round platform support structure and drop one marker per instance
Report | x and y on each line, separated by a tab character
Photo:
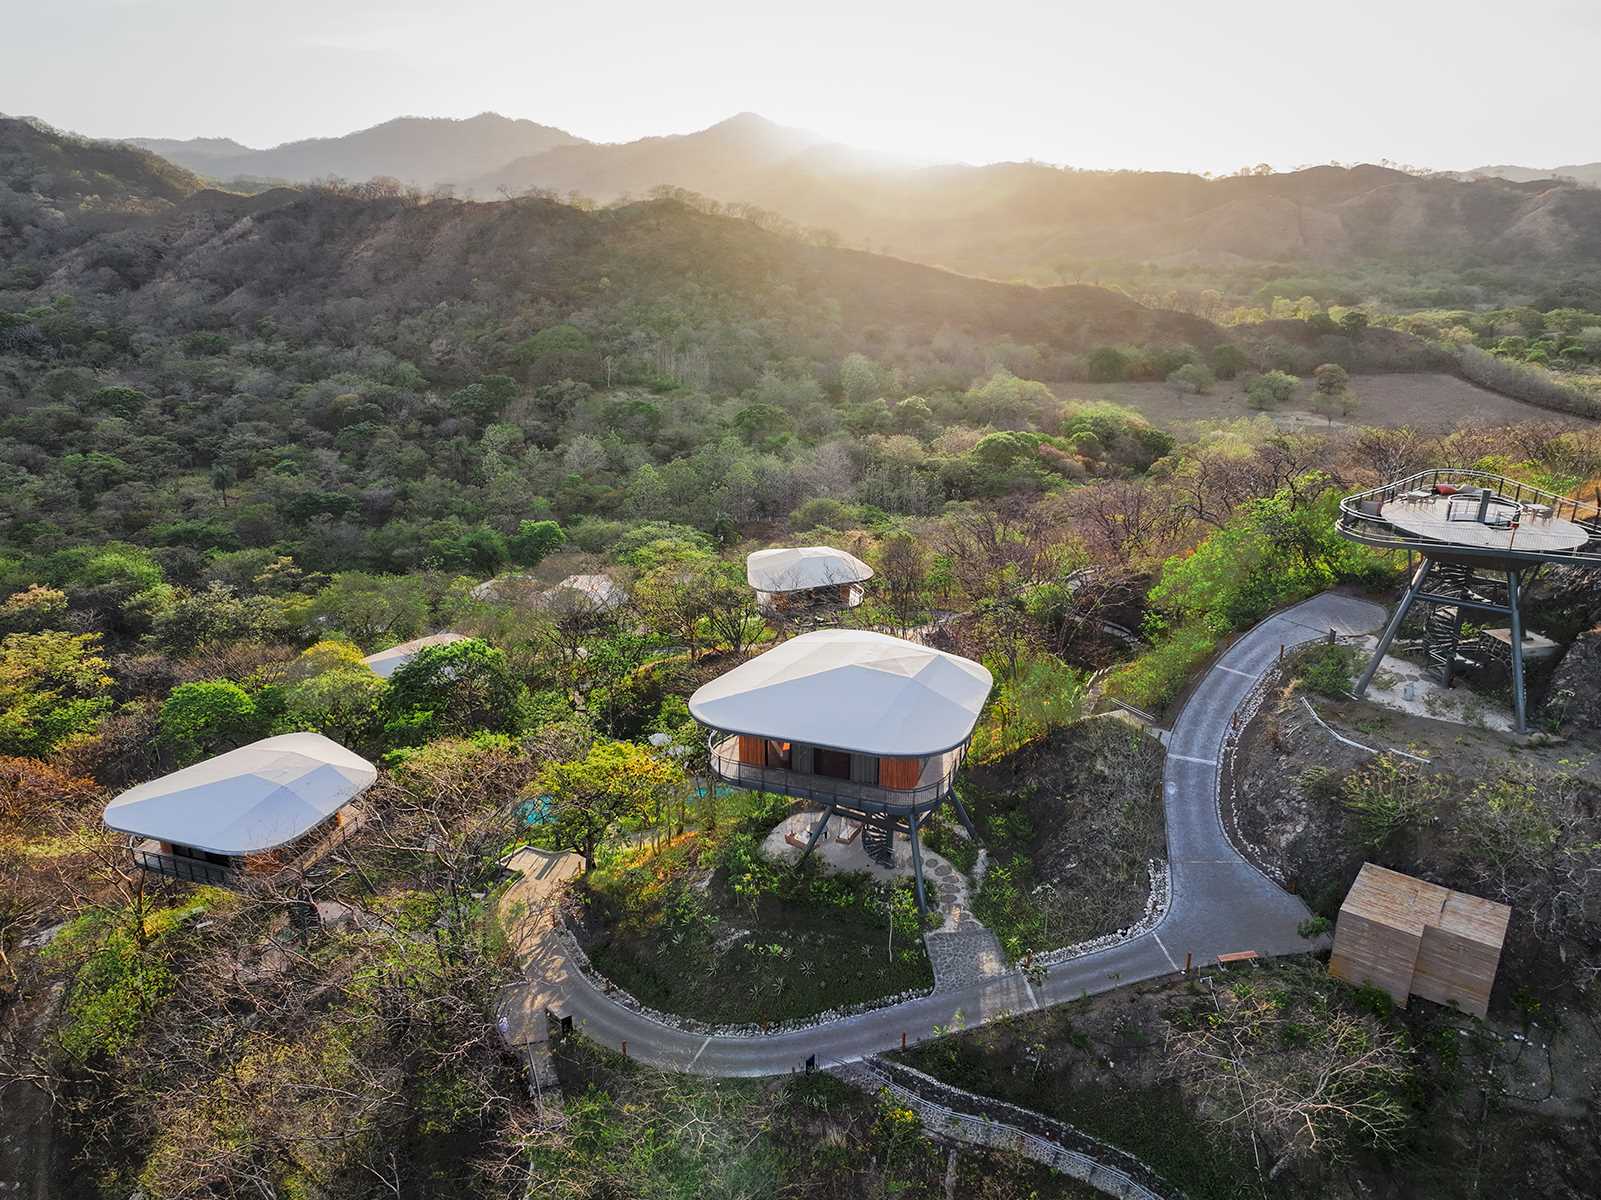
1474	533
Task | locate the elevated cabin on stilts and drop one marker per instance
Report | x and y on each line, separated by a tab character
246	818
806	583
872	728
1480	539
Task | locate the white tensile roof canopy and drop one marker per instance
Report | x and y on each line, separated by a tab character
601	592
793	570
849	689
386	662
251	799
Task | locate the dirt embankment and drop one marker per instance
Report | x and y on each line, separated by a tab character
1490	814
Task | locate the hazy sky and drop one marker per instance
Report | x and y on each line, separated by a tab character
1117	83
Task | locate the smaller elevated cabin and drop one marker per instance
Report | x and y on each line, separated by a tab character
1414	938
245	817
806	578
386	662
592	593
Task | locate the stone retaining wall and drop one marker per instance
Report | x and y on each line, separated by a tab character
1103	1167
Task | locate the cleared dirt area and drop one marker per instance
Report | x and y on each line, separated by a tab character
1425	401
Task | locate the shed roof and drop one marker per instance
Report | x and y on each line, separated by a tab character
1405	902
802	567
386	662
251	799
850	690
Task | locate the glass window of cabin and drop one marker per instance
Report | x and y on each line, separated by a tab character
778	754
836	764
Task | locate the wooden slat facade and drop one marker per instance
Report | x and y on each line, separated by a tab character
1414	938
899	772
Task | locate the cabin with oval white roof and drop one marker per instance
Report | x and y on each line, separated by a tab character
246	817
787	580
871	727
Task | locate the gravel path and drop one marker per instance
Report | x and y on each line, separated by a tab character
1220	903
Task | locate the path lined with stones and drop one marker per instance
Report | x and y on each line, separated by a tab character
1219	904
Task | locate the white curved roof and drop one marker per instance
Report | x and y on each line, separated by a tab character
503	587
386	662
803	567
850	690
247	800
601	592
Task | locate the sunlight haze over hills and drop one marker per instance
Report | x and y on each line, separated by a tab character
1145	85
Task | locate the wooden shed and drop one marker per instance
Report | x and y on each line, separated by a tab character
1414	938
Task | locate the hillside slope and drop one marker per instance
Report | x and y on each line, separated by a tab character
44	165
325	264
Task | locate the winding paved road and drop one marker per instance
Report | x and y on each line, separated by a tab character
1219	903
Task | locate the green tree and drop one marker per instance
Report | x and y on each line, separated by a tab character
1271	389
1331	378
1228	360
460	688
1353	323
858	376
613	781
374	610
535	541
52	685
1193	378
200	719
1107	364
342	703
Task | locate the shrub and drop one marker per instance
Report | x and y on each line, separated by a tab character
1524	382
1328	671
1386	795
1193	378
1156	676
1270	390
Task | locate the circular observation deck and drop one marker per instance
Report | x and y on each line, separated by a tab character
1474	517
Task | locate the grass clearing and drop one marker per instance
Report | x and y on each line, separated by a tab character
1423	400
707	926
1071	822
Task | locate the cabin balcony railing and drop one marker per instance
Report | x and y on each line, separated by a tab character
825	789
803	601
1361	517
148	857
250	871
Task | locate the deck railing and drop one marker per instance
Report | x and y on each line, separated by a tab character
869	797
1361	519
250	871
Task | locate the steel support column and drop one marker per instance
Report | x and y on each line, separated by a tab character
1390	630
817	835
917	864
1517	650
961	812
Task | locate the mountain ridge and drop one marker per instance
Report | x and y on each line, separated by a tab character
424	151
